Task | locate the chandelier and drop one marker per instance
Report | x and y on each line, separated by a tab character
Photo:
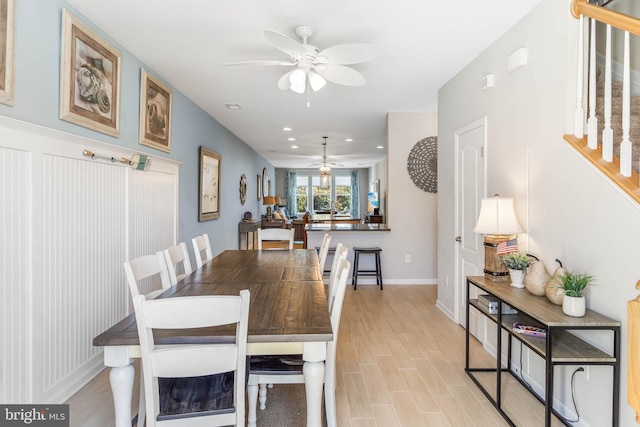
324	168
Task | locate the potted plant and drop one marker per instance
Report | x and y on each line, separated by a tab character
574	283
517	263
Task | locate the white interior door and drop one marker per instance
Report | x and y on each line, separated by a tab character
470	143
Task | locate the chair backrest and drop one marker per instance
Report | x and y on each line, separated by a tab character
147	267
324	249
193	360
335	309
300	234
276	235
177	258
201	244
339	255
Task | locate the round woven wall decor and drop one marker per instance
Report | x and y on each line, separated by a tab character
422	164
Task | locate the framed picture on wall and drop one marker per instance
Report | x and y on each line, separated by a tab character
209	185
7	43
90	86
155	112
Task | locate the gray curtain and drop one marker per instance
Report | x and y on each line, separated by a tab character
355	195
290	183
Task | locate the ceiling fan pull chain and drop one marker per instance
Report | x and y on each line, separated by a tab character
308	102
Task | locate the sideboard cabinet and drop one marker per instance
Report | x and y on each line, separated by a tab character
556	344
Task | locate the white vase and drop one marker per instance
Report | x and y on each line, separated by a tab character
573	306
517	278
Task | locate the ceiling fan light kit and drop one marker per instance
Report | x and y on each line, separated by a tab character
313	66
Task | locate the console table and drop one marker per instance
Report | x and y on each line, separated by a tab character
559	347
246	228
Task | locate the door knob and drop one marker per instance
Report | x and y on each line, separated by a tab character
458	239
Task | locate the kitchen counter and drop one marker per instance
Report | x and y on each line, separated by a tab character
358	235
328	218
330	228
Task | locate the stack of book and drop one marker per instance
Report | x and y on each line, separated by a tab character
534	331
490	303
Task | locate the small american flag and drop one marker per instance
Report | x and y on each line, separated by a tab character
507	247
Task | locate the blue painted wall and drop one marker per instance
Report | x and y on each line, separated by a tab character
37	99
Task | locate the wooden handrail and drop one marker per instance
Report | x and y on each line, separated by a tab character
607	16
629	185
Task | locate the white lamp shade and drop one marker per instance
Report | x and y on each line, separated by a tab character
316	81
497	216
297	80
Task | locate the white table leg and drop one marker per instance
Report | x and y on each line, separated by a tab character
313	380
121	379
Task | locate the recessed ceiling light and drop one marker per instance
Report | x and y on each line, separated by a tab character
232	106
379	147
286	129
291	139
294	146
348	140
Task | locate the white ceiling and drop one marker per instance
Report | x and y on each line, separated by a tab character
424	44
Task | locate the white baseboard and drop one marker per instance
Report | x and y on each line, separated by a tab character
392	282
445	310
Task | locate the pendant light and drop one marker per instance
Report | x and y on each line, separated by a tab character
324	168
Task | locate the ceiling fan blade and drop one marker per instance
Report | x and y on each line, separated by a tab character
350	53
284	83
342	75
259	63
284	43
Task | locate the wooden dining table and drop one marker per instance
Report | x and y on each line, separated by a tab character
288	314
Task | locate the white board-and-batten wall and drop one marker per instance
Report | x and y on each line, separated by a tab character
67	224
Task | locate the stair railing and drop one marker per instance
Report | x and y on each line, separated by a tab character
618	169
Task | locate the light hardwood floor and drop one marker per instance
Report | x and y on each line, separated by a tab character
400	363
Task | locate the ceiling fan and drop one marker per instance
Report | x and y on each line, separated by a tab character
325	166
313	67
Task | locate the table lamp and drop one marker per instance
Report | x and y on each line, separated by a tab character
268	201
498	222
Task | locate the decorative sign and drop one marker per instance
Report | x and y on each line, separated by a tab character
422	164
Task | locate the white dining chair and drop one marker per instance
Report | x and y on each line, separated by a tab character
276	235
142	274
340	254
288	369
324	250
149	267
202	249
178	263
182	381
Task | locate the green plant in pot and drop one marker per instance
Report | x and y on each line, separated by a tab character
574	284
517	263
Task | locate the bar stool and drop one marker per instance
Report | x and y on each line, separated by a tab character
327	268
357	272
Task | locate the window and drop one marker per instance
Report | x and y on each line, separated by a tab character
302	193
313	197
342	185
321	195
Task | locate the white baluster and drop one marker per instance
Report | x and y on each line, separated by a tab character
592	122
625	146
607	132
578	117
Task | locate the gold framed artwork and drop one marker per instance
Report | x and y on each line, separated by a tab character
90	86
155	113
209	203
7	44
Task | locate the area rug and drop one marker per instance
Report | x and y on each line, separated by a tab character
286	407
